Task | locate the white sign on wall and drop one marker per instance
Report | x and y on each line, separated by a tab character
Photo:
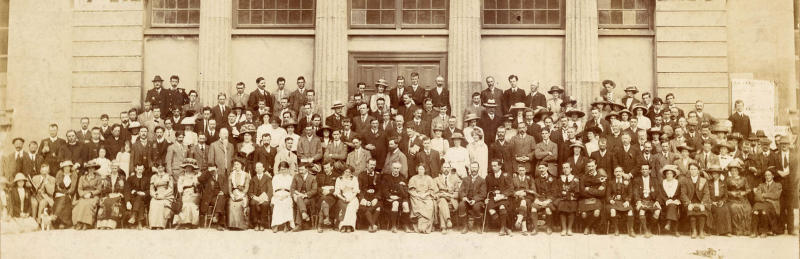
759	102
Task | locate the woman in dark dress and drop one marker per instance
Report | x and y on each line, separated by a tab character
66	186
245	151
720	214
566	198
112	206
739	205
619	201
671	197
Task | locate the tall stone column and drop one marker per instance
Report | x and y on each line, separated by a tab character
464	53
581	65
215	49
330	53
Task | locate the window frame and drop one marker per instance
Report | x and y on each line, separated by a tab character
151	24
398	16
237	25
560	25
650	8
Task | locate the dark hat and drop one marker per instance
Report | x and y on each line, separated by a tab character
555	88
18	139
654	130
568	100
509	117
625	111
609	82
596	130
613	113
726	144
632	88
599	100
458	135
157	78
736	135
761	134
752	137
541	111
616	106
683	147
92	164
576	112
714	169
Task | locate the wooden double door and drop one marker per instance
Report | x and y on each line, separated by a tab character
370	68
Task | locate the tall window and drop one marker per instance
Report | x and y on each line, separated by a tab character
175	13
522	13
275	13
398	13
625	13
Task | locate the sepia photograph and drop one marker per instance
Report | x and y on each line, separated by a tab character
399	129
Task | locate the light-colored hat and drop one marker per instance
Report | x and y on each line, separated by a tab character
337	105
190	162
382	82
188	121
458	136
247	128
577	144
20	177
92	164
639	106
65	163
471	117
632	88
625	111
516	107
673	168
491	103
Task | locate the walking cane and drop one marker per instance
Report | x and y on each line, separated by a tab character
213	211
485	209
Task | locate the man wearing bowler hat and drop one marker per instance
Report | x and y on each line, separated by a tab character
158	97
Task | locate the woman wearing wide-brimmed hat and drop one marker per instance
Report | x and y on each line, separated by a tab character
246	149
66	185
189	194
19	197
671	197
112	207
720	219
89	188
458	156
554	103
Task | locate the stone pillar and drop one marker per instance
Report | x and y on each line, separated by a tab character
330	54
581	65
464	53
215	49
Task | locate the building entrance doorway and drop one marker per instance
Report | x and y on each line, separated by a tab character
369	67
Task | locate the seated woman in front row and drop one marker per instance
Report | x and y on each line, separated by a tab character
282	203
346	189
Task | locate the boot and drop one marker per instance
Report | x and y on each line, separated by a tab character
534	223
702	227
549	224
754	226
693	222
647	233
502	229
524	229
614	226
630	226
393	221
468	226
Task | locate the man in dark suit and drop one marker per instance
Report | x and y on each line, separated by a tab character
260	94
489	122
305	195
440	95
597	120
265	153
648	157
429	158
740	121
604	158
418	92
176	97
418	124
56	146
12	163
220	111
335	120
451	129
214	195
396	94
298	97
407	110
374	140
786	161
491	92
473	193
361	122
158	97
513	94
501	150
84	133
535	98
627	156
630	97
199	152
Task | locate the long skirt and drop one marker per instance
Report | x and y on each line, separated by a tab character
190	212
84	211
159	213
282	211
110	212
721	219
672	212
422	211
62	209
741	215
350	211
236	214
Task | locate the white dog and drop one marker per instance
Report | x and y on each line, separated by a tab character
45	220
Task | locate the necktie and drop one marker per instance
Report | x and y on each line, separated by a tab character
785	161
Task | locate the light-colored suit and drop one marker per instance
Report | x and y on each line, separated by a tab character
239	101
359	159
176	153
221	156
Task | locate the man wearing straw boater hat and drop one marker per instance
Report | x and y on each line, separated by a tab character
335	120
490	121
630	97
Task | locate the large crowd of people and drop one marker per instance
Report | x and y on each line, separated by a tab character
394	159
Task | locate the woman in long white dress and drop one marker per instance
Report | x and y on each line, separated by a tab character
189	194
346	189
421	190
123	158
478	151
282	204
458	156
162	195
239	186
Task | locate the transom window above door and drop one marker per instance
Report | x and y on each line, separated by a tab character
523	13
397	14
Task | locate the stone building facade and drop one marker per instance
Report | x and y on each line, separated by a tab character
73	58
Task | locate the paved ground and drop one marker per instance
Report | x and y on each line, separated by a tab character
197	244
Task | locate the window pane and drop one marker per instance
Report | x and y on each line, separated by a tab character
624	13
373	17
410	17
244	17
294	4
439	17
374	4
409	4
177	12
387	17
268	17
294	17
244	4
359	4
358	17
308	4
387	4
308	17
524	12
438	4
424	17
281	17
279	12
489	17
256	4
257	17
